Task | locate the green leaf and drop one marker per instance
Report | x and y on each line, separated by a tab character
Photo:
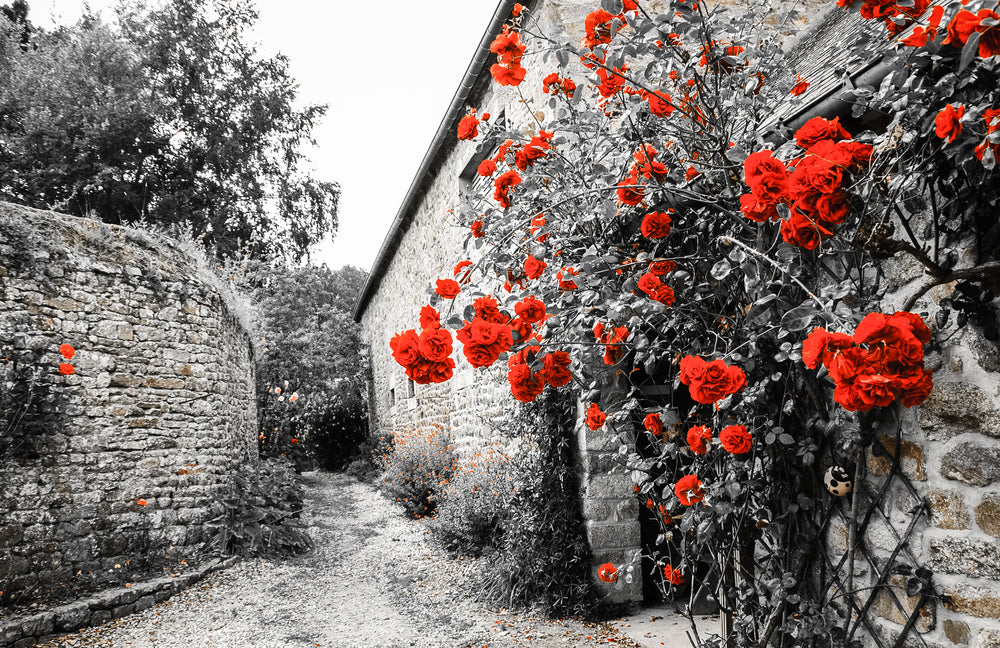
969	51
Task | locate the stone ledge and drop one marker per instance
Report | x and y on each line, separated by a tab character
101	607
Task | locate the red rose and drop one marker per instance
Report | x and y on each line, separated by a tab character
832	208
799	230
405	347
435	344
486	168
689	490
919	391
710	381
655	225
508	47
488	309
530	309
947	124
597	26
766	176
607	573
649	283
660	268
698	438
522	327
735	439
629	194
483	341
524	385
653	424
507	76
564	283
468	127
477	229
533	267
800	87
503	185
426	371
67	351
817	129
673	576
664	295
555	368
757	210
448	288
66	369
659	104
595	417
429	318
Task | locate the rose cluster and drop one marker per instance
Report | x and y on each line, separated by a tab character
813	191
427	356
507	71
611	338
882	362
709	382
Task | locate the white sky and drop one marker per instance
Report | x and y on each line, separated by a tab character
387	71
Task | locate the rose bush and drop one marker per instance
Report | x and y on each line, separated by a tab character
687	253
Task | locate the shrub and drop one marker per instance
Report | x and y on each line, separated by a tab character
520	510
415	469
365	467
260	514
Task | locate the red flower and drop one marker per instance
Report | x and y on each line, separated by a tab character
566	284
689	490
447	288
518	8
698	438
735	439
607	573
710	381
503	185
533	267
655	225
488	309
530	309
435	344
468	127
483	341
424	372
802	231
595	417
673	576
429	318
508	48
965	23
141	502
817	129
659	104
66	369
820	345
486	168
405	347
525	385
800	86
629	194
597	26
477	229
660	268
653	423
67	351
556	368
507	76
611	81
947	124
757	210
766	176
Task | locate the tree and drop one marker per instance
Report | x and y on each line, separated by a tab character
168	116
311	373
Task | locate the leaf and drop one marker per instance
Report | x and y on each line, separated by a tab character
613	7
969	51
721	269
563	57
799	317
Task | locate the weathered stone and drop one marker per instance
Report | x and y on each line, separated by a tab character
38	624
957	407
72	616
988	639
973	601
911	458
144	603
973	463
956	631
948	509
122	610
963	555
612	535
988	514
885	606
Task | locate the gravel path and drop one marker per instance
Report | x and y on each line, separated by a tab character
373	580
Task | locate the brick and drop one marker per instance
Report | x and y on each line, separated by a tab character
610	535
972	463
988	515
948	509
616	486
956	631
973	601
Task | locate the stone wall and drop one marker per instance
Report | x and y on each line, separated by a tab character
112	470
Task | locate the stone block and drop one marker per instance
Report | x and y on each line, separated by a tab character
613	535
957	407
956	631
119	611
948	509
37	625
98	617
973	601
988	639
988	514
71	617
614	486
10	631
964	555
144	603
911	458
886	607
973	463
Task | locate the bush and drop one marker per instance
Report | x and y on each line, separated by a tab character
260	515
520	510
365	467
415	469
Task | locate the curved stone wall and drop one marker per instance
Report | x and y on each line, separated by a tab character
111	471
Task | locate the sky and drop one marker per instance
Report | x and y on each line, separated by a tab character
386	70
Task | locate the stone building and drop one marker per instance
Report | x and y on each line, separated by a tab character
951	449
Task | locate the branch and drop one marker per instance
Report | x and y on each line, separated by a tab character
981	271
777	266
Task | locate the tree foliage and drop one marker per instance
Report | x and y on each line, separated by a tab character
166	115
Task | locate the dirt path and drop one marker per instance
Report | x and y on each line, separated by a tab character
373	580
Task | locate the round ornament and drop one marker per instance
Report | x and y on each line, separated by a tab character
838	481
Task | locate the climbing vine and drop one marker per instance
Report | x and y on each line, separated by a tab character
643	232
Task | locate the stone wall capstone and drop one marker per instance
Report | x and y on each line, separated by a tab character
114	468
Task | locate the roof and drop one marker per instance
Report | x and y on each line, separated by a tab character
821	54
